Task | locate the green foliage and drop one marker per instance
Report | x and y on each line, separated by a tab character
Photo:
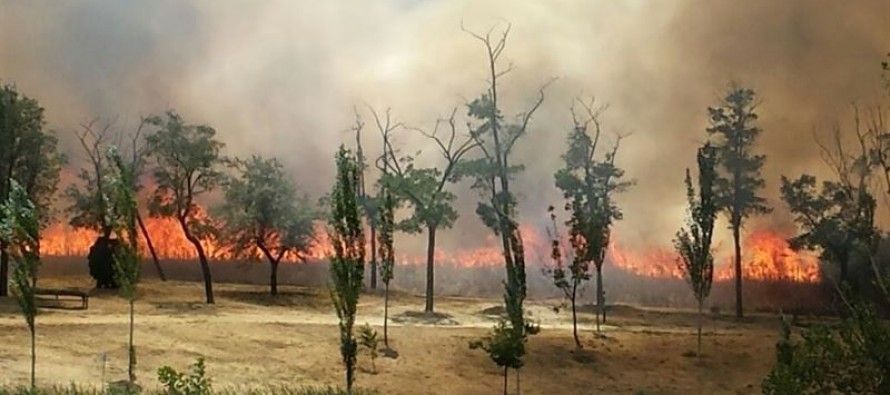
734	133
693	242
370	341
504	345
263	215
186	159
386	228
348	263
29	154
852	359
87	207
193	382
588	184
492	174
121	214
121	217
837	221
19	231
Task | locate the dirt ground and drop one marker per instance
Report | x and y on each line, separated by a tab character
251	339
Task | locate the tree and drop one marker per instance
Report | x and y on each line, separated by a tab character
424	188
121	214
264	216
347	237
589	184
853	356
19	230
368	203
29	156
568	279
492	174
734	133
838	220
186	159
87	207
693	242
386	253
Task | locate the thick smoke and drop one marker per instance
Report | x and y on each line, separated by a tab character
282	78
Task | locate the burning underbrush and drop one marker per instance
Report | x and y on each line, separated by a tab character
776	277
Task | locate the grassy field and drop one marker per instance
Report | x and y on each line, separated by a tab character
252	340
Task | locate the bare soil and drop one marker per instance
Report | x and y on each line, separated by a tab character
252	339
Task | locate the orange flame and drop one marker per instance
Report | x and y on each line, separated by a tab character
767	254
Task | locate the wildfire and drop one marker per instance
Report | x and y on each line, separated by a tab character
767	254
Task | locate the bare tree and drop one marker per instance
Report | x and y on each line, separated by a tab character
492	173
87	207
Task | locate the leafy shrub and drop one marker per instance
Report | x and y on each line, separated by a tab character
369	340
194	382
853	359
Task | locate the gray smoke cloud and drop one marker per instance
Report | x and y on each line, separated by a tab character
281	78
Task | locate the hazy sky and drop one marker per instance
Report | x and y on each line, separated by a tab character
282	77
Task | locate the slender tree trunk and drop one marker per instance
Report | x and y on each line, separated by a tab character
700	302
575	317
4	270
430	261
349	378
373	257
739	311
600	298
505	380
205	266
151	248
131	349
33	357
386	315
273	279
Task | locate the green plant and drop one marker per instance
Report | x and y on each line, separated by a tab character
193	382
693	242
19	228
121	214
348	263
369	339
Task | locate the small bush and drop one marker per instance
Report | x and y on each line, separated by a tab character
370	341
193	383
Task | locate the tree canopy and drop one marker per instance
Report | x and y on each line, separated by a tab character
263	216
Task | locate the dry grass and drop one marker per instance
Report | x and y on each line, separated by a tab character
252	340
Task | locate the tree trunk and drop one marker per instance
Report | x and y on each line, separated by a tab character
205	266
505	380
349	378
600	297
700	302
273	279
430	260
575	317
151	248
131	370
33	357
739	312
4	271
386	315
373	257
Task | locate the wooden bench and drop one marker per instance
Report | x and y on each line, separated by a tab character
59	294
